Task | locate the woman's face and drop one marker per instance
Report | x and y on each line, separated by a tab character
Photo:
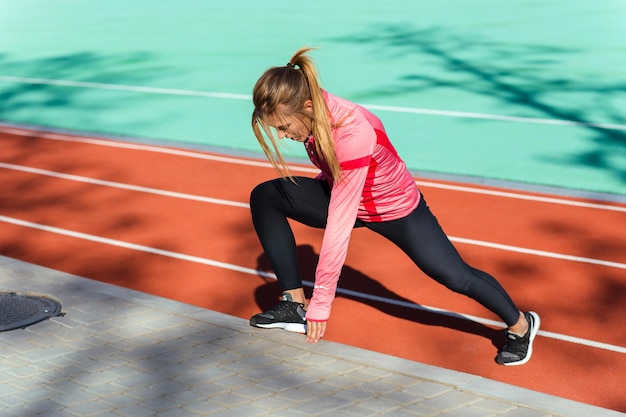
291	126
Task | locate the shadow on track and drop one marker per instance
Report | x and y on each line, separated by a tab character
355	285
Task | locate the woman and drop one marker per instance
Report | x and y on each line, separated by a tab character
362	183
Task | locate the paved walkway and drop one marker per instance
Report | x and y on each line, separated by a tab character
119	352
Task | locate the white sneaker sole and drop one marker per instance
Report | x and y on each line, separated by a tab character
533	332
290	327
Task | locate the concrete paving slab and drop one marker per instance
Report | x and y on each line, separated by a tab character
119	352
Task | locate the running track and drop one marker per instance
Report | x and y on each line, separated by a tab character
175	223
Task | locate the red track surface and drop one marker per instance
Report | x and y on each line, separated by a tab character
574	298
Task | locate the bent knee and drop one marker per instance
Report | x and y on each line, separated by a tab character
263	194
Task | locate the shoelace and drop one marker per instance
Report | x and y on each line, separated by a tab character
282	306
513	342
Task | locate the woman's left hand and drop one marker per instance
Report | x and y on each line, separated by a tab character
315	331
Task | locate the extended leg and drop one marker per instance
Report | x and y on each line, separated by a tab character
420	236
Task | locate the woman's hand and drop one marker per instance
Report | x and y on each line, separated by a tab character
315	330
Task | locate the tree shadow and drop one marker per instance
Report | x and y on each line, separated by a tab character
106	350
355	285
522	80
26	98
606	287
73	207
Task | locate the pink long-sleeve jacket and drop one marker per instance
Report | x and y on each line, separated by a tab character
375	186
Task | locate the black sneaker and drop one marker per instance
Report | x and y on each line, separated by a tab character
287	315
518	349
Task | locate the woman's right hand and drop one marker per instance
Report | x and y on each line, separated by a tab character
315	330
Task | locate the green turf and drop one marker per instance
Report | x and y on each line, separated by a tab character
557	60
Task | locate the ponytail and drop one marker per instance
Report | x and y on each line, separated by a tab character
290	86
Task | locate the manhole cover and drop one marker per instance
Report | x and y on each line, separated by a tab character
21	310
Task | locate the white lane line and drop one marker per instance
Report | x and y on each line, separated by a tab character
508	194
484	116
123	186
128	245
539	253
247	97
294	168
414	306
218	201
138	147
251	271
120	87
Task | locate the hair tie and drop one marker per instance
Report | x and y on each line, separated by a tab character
289	64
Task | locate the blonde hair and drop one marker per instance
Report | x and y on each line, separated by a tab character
284	91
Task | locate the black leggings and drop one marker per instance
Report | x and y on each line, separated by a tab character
418	235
